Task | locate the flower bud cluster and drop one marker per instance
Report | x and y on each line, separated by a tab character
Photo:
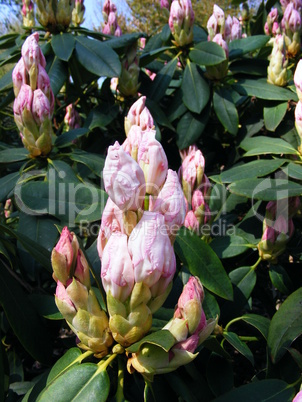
28	13
181	22
55	15
272	26
143	213
278	227
75	298
34	103
277	72
77	15
298	109
196	188
110	26
189	328
72	118
128	83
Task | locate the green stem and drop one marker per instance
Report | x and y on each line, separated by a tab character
120	382
253	267
232	322
248	338
104	364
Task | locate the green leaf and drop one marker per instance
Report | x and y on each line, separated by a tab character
260	391
280	279
58	74
259	168
149	56
245	279
158	114
163	338
66	139
220	374
46	306
266	189
63	45
263	90
23	319
286	326
242	347
97	57
201	261
101	116
162	80
83	380
207	54
229	246
225	110
7	183
125	40
6	81
190	127
210	305
266	145
293	170
13	155
259	322
196	92
239	47
273	115
65	362
94	162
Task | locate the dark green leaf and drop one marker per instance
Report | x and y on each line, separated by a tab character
66	361
210	305
22	317
201	261
96	389
220	374
94	162
263	90
162	80
207	54
266	145
229	246
6	81
125	40
63	45
245	279
280	279
286	325
225	110
181	387
58	74
293	170
239	345
266	189
7	183
147	57
163	338
239	47
273	115
97	57
13	155
260	391
195	89
190	127
250	170
158	114
259	322
67	138
249	66
46	306
101	117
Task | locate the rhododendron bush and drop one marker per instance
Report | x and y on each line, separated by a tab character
150	242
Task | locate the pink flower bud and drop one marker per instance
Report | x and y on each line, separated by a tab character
64	303
220	17
40	107
298	79
132	142
200	207
19	76
117	270
139	115
176	16
123	179
112	221
31	52
236	29
222	43
227	28
153	161
298	397
72	118
171	203
165	4
43	83
191	172
191	222
181	21
152	255
212	27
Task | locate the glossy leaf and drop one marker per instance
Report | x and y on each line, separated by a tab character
273	115
201	261
190	127
94	162
286	326
239	47
23	318
66	139
207	54
266	189
229	246
66	361
293	170
162	80
245	279
280	279
97	57
6	81
13	155
210	305
46	306
239	345
164	339
58	74
259	322
259	168
226	110
263	90
63	45
127	39
266	145
7	184
195	89
272	390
